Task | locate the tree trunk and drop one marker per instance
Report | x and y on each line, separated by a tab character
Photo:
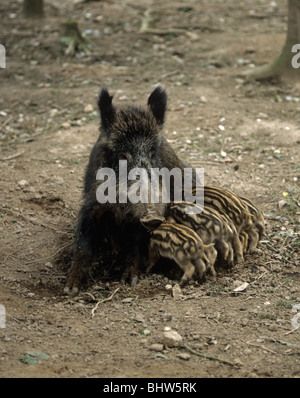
282	66
71	36
33	8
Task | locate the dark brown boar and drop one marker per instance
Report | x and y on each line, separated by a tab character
127	133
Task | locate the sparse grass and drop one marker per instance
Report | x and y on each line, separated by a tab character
284	304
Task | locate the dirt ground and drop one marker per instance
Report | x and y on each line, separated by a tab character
246	136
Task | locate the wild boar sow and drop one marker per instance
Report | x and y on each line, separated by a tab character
130	136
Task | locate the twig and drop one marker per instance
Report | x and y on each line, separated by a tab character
263	347
279	341
5	122
260	276
103	301
207	356
47	258
89	294
13	156
291	331
282	246
32	220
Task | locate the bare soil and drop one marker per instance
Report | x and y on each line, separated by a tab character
245	134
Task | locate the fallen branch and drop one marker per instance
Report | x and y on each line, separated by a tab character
103	301
207	356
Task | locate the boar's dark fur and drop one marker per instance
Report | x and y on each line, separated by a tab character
133	134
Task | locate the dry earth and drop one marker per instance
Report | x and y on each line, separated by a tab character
245	135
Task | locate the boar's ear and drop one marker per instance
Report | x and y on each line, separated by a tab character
157	102
107	111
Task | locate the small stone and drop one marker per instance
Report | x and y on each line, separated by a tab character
184	355
273	327
88	108
53	112
171	338
176	291
139	318
281	204
237	362
241	287
66	125
23	183
127	300
212	340
157	347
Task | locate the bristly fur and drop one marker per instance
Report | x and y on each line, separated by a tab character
127	132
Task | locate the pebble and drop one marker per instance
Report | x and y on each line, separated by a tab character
281	204
127	300
184	356
139	318
273	327
23	183
171	338
237	362
156	347
66	125
88	108
176	291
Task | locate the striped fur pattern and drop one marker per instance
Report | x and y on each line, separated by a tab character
227	226
212	227
181	244
226	202
247	218
255	233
